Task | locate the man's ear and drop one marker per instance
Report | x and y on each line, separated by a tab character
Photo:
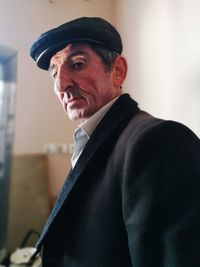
119	71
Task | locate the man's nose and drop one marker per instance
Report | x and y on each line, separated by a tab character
64	80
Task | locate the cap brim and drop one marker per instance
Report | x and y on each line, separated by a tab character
43	61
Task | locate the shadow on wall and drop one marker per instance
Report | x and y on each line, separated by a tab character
28	198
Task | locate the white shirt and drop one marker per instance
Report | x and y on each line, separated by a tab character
85	129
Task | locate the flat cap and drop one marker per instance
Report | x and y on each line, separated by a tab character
81	30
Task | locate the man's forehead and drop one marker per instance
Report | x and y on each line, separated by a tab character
71	50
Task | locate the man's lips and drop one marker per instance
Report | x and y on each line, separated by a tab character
74	99
73	102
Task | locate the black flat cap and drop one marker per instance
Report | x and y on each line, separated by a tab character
82	30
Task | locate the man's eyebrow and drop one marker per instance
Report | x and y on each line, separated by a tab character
69	57
76	53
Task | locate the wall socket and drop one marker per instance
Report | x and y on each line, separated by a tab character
58	148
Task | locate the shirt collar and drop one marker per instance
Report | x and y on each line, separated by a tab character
90	124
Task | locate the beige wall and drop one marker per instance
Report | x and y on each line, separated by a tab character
29	199
39	117
161	41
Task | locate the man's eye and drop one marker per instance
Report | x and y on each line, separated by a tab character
78	65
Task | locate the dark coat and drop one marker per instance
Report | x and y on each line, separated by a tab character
133	198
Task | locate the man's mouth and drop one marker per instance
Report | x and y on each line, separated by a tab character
74	102
73	99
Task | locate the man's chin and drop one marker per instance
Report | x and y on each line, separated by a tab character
75	115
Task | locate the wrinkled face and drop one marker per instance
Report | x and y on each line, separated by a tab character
81	81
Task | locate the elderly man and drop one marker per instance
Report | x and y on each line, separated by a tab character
132	197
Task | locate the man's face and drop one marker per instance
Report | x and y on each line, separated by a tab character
81	81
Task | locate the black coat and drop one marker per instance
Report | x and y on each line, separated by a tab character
133	198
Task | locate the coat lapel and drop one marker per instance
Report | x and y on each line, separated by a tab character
113	123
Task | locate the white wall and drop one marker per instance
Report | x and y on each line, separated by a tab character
161	42
39	117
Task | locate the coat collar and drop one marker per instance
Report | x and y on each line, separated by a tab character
113	123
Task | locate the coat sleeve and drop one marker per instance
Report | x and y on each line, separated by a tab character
161	197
